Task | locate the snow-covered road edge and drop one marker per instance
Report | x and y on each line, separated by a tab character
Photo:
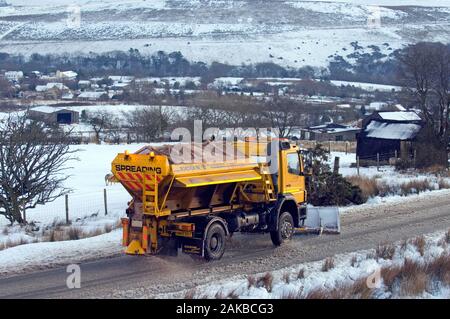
300	280
38	256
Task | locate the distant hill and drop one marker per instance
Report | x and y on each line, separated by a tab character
289	33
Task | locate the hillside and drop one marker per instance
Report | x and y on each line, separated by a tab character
292	33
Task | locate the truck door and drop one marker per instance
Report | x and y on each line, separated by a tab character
293	181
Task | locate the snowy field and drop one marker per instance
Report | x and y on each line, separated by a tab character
368	86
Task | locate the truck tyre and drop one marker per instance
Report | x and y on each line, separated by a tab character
285	229
214	242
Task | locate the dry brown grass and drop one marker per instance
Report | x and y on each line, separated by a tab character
265	281
447	237
357	289
233	294
55	235
373	186
108	228
328	264
354	261
419	242
251	281
75	233
286	277
439	268
292	294
368	186
219	295
190	294
319	293
415	186
404	244
443	183
413	286
13	243
413	278
437	170
385	251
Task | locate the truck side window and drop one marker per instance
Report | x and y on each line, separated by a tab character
293	163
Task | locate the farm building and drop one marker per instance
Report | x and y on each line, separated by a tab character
54	115
386	134
329	132
93	96
14	76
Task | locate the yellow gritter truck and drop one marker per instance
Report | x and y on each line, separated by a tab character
195	206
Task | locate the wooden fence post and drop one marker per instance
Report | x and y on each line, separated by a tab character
357	164
346	147
105	200
378	161
414	159
67	209
336	165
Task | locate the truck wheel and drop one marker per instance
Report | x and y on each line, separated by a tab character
215	242
285	229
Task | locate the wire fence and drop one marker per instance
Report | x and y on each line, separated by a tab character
78	206
330	146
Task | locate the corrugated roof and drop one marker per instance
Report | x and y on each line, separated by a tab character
392	131
400	116
45	109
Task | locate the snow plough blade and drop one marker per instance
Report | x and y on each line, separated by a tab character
321	220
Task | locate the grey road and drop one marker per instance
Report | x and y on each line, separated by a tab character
147	277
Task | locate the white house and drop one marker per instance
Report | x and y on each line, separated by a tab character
68	75
13	75
84	84
51	85
92	96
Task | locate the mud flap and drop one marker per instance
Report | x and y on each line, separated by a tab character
192	246
169	247
322	220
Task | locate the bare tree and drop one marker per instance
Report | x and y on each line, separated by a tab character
100	121
6	89
281	116
426	73
33	163
149	122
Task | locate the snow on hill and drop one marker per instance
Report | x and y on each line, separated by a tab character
286	32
